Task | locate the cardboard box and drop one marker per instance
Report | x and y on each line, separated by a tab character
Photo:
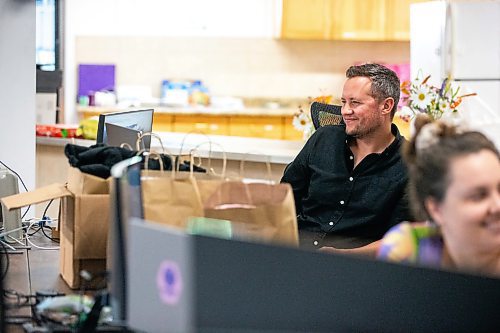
83	220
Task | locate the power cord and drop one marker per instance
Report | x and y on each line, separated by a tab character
34	245
46	219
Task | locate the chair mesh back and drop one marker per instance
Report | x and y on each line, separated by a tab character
326	115
326	118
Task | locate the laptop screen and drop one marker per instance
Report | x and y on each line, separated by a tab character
139	120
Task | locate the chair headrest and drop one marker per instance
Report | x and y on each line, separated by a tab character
326	115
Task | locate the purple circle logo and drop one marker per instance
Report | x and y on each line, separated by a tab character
169	282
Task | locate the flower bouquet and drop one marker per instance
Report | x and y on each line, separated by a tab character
421	97
302	119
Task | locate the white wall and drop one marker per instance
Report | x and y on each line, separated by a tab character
17	87
186	18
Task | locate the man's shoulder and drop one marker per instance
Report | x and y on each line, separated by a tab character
331	130
328	136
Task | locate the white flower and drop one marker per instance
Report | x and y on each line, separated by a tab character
421	97
301	121
444	106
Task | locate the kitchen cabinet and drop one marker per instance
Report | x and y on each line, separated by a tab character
216	124
398	23
256	124
257	127
358	20
306	19
162	122
353	20
289	131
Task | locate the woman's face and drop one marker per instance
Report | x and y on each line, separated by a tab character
469	215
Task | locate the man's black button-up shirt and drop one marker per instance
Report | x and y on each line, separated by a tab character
333	197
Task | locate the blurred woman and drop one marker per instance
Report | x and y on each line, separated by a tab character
454	187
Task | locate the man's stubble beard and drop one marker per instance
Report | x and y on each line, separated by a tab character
360	132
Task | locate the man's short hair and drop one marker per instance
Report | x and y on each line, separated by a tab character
385	82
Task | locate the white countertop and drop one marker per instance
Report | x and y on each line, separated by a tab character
235	148
199	110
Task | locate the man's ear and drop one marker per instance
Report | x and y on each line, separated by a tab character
387	105
434	210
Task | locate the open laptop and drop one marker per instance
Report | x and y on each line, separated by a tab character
193	283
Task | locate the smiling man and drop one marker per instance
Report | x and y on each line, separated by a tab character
349	182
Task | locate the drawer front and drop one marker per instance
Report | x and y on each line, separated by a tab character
209	125
257	127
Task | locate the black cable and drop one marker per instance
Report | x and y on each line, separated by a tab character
21	300
44	219
46	209
34	232
55	240
22	182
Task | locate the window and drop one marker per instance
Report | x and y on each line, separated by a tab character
47	41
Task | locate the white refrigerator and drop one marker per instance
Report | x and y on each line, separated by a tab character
461	40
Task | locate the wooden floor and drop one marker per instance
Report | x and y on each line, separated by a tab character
31	270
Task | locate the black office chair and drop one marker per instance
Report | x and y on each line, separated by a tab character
326	115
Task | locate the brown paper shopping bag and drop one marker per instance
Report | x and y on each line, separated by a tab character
168	197
171	197
267	210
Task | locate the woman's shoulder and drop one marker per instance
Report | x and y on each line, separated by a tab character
411	243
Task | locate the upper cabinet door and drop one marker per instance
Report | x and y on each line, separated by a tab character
398	19
358	20
306	19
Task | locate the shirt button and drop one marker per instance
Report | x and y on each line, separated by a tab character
351	179
331	223
351	157
341	202
315	243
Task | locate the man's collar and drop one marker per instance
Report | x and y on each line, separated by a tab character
395	144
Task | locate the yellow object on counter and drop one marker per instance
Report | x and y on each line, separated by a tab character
88	128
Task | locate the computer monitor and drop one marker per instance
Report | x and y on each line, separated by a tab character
138	120
194	283
126	202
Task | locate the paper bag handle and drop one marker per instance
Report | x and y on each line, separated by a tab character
160	161
210	169
268	166
181	149
152	135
